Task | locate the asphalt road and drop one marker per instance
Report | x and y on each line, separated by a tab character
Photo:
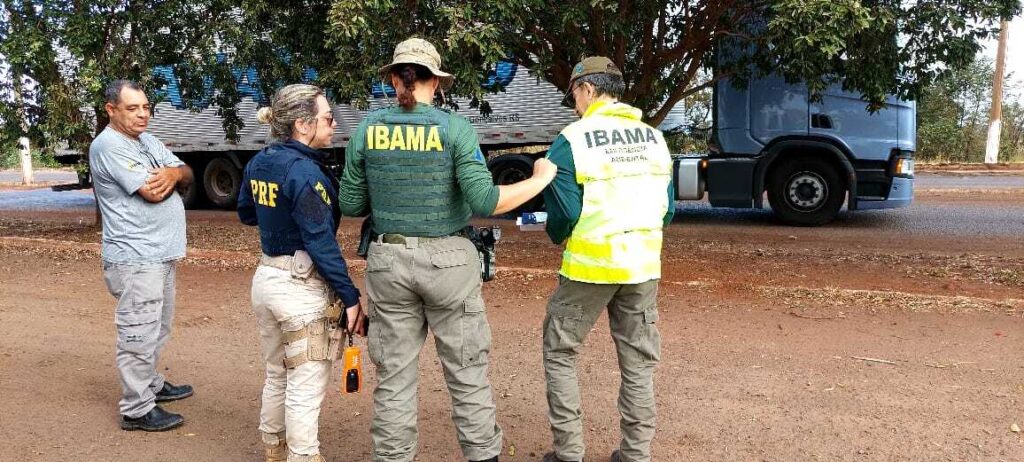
926	216
992	209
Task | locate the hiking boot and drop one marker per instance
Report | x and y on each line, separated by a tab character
276	453
173	392
156	420
492	459
275	447
616	456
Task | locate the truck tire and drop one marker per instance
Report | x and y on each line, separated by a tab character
190	197
222	181
805	191
513	168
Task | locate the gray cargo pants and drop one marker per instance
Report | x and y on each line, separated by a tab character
412	286
145	311
632	312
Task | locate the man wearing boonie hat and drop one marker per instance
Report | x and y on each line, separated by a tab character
609	201
419	173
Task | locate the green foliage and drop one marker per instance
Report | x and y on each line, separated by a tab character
1011	141
875	47
60	53
953	117
10	157
363	34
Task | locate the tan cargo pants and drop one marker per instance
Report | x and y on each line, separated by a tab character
632	312
291	397
411	287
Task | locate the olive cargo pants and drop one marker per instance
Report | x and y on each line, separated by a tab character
572	312
414	285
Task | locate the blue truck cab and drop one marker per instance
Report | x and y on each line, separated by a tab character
809	156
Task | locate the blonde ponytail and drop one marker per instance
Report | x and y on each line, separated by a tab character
265	115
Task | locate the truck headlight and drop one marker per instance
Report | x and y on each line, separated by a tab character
904	166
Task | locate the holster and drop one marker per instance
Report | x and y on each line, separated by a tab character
335	336
365	237
334	329
484	239
337	329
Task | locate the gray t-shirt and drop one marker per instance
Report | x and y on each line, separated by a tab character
135	231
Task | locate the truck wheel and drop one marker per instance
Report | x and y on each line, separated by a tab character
222	181
513	168
805	192
190	197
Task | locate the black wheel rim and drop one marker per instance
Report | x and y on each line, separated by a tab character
806	191
223	183
510	176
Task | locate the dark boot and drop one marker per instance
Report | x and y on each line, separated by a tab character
173	393
616	456
156	420
551	457
492	459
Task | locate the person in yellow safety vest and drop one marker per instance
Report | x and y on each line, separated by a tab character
609	201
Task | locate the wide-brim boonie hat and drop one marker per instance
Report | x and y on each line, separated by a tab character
422	52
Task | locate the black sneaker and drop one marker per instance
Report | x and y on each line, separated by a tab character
156	420
173	393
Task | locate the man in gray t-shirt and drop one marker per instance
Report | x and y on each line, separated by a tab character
136	180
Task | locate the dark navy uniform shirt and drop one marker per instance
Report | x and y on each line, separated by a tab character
289	194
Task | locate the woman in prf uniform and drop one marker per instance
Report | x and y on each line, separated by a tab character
419	171
288	193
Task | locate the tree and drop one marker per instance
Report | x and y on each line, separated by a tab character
876	47
66	50
61	53
952	116
1011	146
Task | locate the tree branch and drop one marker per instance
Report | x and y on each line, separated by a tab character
597	25
678	95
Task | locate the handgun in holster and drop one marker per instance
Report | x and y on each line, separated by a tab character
484	238
365	237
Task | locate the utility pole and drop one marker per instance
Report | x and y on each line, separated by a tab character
995	125
23	142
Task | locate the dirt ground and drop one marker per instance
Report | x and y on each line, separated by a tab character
779	344
962	168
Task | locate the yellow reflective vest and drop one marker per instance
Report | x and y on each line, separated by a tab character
624	168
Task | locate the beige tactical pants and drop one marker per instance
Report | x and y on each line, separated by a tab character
291	397
411	287
632	312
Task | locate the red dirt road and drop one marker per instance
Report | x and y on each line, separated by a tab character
780	344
